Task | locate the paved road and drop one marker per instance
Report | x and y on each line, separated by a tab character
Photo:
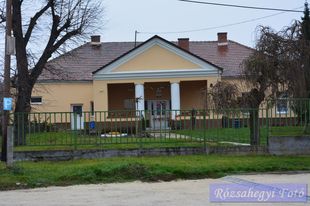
178	193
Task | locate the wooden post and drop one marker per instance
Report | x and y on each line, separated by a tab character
6	83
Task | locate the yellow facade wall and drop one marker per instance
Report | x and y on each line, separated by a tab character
154	59
58	97
100	95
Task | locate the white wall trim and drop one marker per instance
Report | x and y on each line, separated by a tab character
156	74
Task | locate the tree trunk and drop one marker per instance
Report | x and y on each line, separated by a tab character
21	113
307	120
254	127
24	84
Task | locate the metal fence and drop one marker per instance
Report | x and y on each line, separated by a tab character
158	128
288	117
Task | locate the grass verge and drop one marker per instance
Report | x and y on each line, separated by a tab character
242	135
124	169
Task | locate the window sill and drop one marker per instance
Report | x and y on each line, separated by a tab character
282	112
36	103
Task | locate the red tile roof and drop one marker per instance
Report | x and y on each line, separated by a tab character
230	60
78	64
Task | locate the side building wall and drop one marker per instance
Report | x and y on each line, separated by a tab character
59	97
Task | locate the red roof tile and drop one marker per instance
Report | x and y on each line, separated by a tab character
78	64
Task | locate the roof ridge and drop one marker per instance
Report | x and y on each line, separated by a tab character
194	41
121	42
198	41
248	47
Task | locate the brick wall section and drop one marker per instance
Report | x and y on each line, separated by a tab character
183	43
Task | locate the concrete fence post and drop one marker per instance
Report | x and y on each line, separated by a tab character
10	146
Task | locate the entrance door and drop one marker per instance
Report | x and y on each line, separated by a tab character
77	117
159	113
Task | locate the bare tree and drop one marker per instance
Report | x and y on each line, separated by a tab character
270	70
280	63
223	96
2	12
266	72
66	20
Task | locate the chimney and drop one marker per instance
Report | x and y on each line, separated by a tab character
184	43
222	41
95	40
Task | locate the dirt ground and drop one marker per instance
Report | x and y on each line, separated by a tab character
177	193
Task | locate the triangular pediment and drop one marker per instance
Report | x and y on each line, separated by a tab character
156	56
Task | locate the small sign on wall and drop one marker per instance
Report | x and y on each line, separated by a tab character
7	104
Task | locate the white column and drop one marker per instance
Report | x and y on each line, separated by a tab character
175	99
139	95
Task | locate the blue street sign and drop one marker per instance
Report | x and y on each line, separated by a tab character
7	104
92	125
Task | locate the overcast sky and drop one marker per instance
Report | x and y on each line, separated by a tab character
124	17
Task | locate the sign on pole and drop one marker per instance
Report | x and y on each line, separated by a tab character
7	104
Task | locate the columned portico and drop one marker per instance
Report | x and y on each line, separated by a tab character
175	99
139	97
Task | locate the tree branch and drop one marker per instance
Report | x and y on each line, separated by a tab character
64	28
48	51
68	19
34	19
2	12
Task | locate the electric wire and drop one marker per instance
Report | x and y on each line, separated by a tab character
241	6
215	27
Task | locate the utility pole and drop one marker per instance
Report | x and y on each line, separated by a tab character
6	85
136	35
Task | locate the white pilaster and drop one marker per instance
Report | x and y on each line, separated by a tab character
139	95
175	99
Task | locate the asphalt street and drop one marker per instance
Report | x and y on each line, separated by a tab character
176	193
